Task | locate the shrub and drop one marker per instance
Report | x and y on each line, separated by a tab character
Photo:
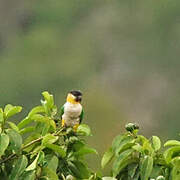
49	152
137	158
38	148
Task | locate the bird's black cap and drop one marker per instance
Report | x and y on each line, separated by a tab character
76	93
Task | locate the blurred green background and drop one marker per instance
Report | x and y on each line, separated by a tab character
122	54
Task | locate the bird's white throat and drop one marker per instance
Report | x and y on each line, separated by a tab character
72	113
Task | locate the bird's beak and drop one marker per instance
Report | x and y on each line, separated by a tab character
78	98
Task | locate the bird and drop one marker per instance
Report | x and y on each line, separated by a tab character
72	112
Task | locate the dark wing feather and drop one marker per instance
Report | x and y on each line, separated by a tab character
62	111
81	116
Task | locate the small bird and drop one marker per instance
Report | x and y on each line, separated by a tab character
72	111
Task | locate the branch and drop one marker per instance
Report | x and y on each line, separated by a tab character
31	143
8	158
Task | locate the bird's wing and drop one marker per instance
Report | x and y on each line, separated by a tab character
81	116
62	111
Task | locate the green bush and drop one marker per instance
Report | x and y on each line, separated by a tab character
38	148
49	152
137	158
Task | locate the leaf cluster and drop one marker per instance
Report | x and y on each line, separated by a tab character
39	148
137	158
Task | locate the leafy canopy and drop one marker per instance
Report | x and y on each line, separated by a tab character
48	152
38	148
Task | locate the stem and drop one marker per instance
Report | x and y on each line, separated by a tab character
3	124
29	144
8	158
63	176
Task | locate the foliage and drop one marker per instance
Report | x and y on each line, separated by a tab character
38	148
137	158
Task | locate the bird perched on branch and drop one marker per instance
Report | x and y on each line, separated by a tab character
72	111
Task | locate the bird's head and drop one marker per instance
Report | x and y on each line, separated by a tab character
74	97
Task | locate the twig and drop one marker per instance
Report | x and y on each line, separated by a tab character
31	143
8	158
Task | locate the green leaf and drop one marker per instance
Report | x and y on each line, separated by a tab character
156	171
121	161
167	173
108	178
73	140
108	155
41	158
85	150
40	118
137	176
34	164
45	106
52	161
176	161
156	143
19	168
57	149
43	123
138	148
142	139
24	122
146	145
126	143
146	167
35	110
132	168
1	115
53	124
117	140
49	98
176	167
79	170
49	139
4	142
168	154
49	173
36	151
45	129
29	175
13	126
27	130
11	110
172	143
84	130
42	128
175	175
77	144
48	104
15	140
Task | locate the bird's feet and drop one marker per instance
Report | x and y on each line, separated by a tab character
75	127
63	123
